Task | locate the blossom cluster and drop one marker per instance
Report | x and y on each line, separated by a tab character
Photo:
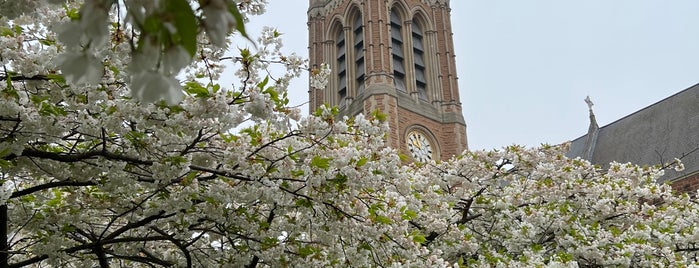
220	177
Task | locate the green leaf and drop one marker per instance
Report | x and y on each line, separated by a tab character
27	198
5	163
419	238
9	89
384	220
273	94
56	200
297	173
303	202
269	242
365	245
362	161
196	89
339	179
378	115
177	159
254	134
47	108
239	20
36	99
4	31
81	98
320	162
408	214
152	25
615	231
307	251
263	83
114	69
57	78
245	53
228	137
565	257
211	200
47	42
18	29
72	13
136	138
374	208
537	247
111	110
186	24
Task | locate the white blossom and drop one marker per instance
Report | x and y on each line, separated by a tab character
80	68
678	165
143	85
217	21
174	59
319	77
94	21
147	57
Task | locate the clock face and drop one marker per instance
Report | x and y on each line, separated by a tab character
419	146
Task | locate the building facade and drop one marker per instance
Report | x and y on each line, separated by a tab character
654	135
397	57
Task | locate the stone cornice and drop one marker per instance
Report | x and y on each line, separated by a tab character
433	3
320	9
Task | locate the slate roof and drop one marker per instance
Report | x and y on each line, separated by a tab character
653	135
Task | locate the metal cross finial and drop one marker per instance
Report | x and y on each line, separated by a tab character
589	102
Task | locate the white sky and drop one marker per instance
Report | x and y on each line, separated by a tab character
525	66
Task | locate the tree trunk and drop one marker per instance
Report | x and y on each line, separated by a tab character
4	247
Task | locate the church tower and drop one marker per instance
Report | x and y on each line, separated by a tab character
396	56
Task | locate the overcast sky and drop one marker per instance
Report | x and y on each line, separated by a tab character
525	66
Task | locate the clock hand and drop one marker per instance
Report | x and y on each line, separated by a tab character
416	143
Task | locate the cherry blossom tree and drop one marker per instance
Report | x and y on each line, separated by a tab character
109	158
535	207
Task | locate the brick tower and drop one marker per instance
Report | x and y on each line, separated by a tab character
396	56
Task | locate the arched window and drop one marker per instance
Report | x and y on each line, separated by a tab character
359	66
419	61
341	50
397	51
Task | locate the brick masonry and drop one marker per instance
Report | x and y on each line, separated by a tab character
689	185
441	115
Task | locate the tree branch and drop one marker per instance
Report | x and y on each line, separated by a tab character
50	185
141	223
177	243
38	77
467	207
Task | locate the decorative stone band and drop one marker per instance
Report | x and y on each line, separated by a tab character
320	8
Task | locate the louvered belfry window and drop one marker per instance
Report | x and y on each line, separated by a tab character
419	61
341	68
397	52
359	65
